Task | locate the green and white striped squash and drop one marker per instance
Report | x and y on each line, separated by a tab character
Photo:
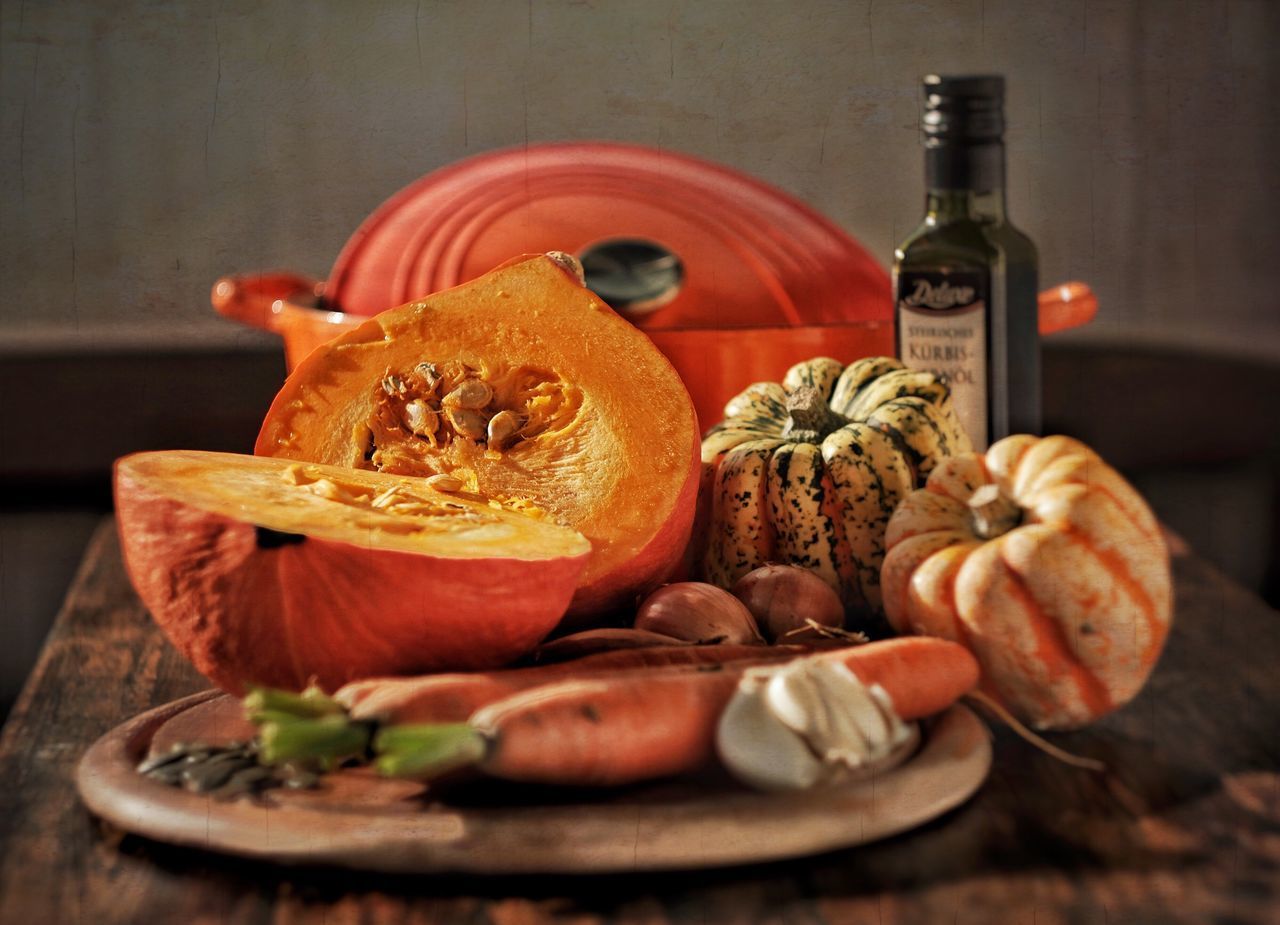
809	470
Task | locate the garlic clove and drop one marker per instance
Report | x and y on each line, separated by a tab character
758	750
798	701
827	706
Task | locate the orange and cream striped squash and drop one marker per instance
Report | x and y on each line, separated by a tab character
1044	562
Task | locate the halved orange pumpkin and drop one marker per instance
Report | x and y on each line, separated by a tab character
268	571
531	392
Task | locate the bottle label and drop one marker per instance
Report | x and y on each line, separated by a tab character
942	328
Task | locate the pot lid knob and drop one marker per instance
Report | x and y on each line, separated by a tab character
635	276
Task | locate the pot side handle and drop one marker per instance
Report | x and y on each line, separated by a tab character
1065	306
249	298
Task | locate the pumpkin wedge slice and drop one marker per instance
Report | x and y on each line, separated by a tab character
269	571
533	393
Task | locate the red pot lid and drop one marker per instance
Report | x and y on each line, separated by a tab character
684	242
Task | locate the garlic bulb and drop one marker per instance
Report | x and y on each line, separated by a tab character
807	723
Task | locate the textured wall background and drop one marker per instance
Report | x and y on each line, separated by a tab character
147	148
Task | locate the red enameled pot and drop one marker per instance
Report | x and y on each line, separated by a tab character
733	279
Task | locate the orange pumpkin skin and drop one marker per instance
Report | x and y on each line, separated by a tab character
1066	604
620	464
352	594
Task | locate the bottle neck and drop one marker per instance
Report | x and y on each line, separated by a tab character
965	181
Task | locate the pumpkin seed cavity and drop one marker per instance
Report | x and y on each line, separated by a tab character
433	410
433	421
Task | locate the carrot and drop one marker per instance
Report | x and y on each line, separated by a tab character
641	725
446	698
920	680
605	732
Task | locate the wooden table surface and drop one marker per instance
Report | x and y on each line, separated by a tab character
1183	828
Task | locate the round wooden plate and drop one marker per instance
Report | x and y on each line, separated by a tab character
361	821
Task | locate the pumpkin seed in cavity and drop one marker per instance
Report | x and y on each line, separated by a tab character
466	408
468	423
421	418
470	395
428	375
502	427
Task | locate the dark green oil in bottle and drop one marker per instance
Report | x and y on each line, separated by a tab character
965	280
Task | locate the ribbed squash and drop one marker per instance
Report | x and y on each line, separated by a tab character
1046	564
532	393
808	471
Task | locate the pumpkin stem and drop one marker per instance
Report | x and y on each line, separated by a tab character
809	417
994	513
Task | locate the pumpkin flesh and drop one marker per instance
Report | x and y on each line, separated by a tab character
602	435
273	572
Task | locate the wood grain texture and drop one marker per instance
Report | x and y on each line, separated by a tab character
1183	829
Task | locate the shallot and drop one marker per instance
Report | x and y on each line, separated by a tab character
787	599
698	612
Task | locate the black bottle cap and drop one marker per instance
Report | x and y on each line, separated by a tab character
964	110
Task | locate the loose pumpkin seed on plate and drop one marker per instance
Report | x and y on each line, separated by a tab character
246	780
212	773
156	762
226	771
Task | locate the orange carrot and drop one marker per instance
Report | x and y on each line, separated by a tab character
446	698
606	731
920	680
635	726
